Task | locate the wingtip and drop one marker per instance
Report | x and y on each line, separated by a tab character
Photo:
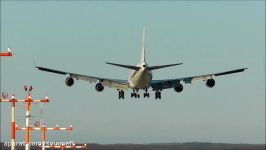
244	69
36	66
34	63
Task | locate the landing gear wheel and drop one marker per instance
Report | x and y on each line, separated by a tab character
132	95
135	94
121	94
157	94
146	95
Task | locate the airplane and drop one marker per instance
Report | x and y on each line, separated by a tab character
140	78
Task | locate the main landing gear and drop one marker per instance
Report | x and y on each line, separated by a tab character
146	94
158	94
135	94
121	94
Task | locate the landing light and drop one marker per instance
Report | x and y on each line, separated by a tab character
9	50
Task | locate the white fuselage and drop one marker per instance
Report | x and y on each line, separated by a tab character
140	79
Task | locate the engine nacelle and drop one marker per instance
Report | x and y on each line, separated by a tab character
178	88
99	87
69	81
210	83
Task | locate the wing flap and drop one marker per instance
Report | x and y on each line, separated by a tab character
115	85
164	84
170	83
209	76
192	79
85	78
111	83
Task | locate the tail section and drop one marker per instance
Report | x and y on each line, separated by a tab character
143	56
142	60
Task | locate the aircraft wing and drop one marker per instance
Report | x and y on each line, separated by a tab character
170	83
111	83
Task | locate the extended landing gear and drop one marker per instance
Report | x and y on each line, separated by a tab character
121	94
158	94
135	94
146	94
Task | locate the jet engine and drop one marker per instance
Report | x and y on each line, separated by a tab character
99	87
69	81
178	88
210	83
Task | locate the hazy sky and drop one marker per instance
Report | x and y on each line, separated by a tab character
207	36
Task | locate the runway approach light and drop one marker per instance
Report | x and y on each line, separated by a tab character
9	50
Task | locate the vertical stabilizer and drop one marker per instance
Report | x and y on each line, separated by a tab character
143	47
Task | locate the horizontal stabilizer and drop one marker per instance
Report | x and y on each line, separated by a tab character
162	66
124	66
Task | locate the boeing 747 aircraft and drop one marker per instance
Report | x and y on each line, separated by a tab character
140	79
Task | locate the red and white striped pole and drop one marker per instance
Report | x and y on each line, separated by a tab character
8	53
27	146
5	54
44	129
28	102
13	131
13	101
13	110
43	137
62	147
